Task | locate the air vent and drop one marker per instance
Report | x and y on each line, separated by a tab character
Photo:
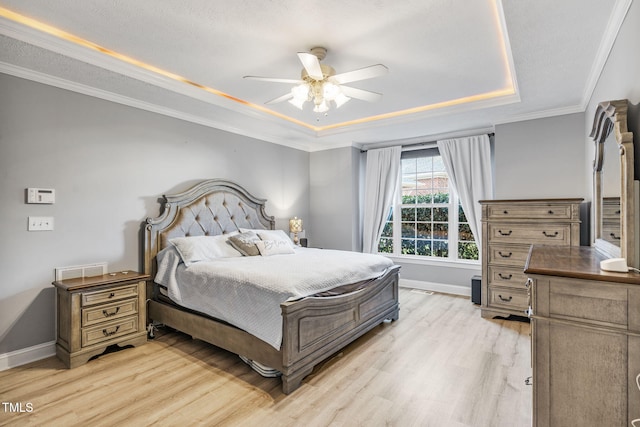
86	270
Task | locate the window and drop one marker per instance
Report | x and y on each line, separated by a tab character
426	212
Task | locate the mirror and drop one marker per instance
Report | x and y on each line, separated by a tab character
613	182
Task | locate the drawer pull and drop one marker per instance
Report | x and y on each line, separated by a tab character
613	236
109	333
112	294
505	234
505	256
550	235
107	314
550	212
505	277
505	212
505	299
617	212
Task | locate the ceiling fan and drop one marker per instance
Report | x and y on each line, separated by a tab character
320	83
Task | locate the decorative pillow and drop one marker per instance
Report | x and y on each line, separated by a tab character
245	243
274	247
201	248
276	235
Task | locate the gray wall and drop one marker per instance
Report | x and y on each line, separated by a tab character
541	158
335	207
108	164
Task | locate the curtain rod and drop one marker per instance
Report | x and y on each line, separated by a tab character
427	140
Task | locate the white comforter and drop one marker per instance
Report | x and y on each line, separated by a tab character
247	291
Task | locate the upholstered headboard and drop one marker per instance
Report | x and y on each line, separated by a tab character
209	208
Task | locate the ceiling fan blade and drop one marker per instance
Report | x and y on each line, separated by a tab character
311	63
364	95
361	74
276	80
282	98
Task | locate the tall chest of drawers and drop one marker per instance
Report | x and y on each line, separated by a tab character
509	228
97	312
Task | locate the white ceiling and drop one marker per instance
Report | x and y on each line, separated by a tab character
454	65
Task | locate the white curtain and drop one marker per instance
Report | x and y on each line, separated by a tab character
381	182
468	164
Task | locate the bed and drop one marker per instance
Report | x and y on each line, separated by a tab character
312	327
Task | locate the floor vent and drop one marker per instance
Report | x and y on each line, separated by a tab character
86	270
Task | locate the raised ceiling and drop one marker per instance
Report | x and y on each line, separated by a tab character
454	65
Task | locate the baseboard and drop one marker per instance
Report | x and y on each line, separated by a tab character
436	287
27	355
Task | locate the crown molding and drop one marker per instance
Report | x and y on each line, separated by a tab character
614	24
61	83
572	109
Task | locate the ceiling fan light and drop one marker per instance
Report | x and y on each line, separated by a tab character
330	91
297	102
341	99
300	92
322	107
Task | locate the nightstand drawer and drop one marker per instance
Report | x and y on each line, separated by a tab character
111	294
109	331
512	299
540	233
106	312
530	211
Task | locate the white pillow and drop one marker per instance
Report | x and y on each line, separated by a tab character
274	247
276	235
201	248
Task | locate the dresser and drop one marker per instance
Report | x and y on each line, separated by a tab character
585	340
96	312
509	228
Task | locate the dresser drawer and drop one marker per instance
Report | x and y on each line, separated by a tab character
108	331
509	298
111	294
529	211
611	232
512	277
508	255
588	302
105	312
540	233
611	207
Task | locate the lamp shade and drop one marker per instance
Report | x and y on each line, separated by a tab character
295	225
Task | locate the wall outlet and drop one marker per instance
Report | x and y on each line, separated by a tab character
40	223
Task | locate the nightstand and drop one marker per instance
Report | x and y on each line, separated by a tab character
97	312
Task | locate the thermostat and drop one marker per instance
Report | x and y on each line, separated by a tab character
41	195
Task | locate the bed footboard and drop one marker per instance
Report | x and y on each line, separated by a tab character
315	328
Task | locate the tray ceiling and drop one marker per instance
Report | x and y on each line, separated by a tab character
453	66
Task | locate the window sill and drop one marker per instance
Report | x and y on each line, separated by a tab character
408	259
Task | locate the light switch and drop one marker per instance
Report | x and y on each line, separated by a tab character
40	223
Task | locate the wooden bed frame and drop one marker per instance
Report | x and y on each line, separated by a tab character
313	328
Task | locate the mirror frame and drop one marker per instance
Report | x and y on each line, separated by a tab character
612	116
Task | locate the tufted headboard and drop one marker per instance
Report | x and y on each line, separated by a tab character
209	208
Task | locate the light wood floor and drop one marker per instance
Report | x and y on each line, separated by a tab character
441	364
